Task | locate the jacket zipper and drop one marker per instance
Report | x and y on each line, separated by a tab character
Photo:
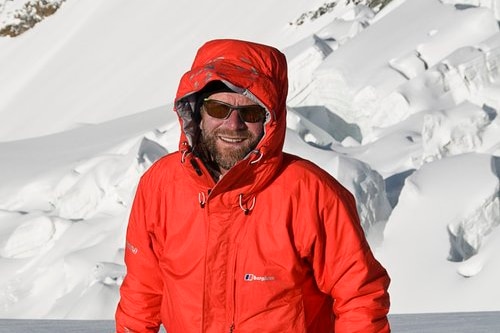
233	289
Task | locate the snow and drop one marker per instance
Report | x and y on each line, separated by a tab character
457	322
400	105
425	219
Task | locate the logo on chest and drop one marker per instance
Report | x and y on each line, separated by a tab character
249	277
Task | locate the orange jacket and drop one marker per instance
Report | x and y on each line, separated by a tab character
274	246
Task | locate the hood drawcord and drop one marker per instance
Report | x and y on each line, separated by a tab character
245	207
257	152
202	199
185	154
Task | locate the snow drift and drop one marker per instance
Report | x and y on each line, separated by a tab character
400	105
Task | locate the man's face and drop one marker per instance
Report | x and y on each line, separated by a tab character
229	140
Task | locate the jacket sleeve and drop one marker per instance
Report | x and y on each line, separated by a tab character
141	290
345	268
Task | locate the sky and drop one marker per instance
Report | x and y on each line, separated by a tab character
400	105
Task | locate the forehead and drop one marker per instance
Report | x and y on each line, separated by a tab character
231	98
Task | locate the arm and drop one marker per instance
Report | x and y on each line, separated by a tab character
345	268
139	306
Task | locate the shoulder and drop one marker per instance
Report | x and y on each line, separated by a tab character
303	173
162	170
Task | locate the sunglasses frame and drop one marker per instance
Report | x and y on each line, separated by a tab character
230	108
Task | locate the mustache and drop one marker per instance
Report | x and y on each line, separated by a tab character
243	133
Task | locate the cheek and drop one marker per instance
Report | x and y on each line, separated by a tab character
207	125
257	129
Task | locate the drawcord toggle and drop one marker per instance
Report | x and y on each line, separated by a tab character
185	151
257	152
202	199
245	207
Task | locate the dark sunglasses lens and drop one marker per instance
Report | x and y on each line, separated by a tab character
216	110
252	113
249	113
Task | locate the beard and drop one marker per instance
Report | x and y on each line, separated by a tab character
226	157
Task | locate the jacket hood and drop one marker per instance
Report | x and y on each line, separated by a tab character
257	71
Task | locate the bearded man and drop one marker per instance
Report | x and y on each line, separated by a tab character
231	234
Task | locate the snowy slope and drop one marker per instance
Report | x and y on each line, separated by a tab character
401	106
96	60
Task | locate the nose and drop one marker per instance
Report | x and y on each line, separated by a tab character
234	120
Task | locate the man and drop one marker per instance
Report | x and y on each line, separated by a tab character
230	234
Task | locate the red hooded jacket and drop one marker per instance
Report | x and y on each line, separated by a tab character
274	246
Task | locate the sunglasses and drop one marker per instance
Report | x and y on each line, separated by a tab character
221	110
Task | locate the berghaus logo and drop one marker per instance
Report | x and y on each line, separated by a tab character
252	277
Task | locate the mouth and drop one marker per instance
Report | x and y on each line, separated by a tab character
229	139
